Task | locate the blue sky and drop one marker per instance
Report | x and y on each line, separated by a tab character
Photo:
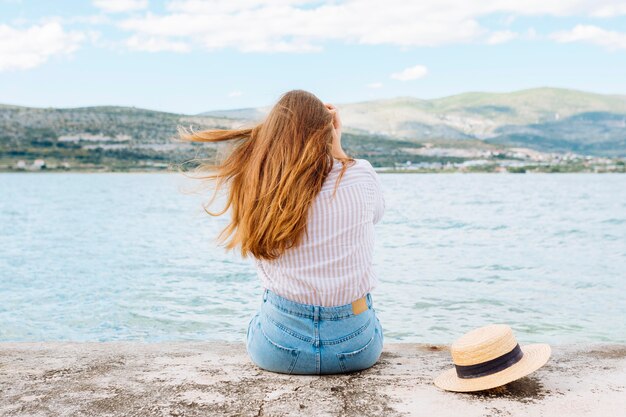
191	56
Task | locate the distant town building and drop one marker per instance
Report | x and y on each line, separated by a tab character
39	164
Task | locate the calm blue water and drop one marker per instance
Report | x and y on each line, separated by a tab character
133	257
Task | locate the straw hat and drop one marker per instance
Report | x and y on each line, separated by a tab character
489	357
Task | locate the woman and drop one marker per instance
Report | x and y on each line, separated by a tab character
306	212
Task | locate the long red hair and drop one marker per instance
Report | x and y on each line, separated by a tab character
274	172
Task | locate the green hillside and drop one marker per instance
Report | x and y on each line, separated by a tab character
116	137
588	133
385	131
122	138
534	101
545	114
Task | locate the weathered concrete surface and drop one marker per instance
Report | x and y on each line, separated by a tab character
217	378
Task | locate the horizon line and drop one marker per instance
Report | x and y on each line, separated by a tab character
342	103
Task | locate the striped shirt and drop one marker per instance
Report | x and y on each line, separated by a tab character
333	266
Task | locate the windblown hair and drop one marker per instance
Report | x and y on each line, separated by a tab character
274	172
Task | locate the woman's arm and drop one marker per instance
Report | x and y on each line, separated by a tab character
379	206
379	198
337	149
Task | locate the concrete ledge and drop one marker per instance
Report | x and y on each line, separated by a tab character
217	378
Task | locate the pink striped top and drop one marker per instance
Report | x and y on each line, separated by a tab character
333	266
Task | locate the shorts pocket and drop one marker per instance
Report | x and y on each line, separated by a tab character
269	354
363	357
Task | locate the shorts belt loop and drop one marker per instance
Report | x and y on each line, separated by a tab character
265	294
368	298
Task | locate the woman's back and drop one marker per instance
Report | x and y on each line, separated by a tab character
317	315
333	264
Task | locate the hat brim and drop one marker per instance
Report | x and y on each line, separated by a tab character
535	356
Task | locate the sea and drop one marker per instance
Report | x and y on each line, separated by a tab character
135	257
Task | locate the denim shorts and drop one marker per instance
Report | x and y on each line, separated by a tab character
292	338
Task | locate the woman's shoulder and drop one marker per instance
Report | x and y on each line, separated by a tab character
360	167
358	164
364	164
358	172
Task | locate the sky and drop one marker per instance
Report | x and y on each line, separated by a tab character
191	56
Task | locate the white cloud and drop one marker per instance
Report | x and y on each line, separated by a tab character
235	94
284	26
508	20
119	6
31	47
412	73
609	9
155	44
228	6
96	19
594	35
501	37
305	25
375	85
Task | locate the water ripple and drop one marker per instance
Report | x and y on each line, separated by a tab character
129	257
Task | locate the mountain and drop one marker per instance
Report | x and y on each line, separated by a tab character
99	136
586	133
250	113
123	138
545	119
385	131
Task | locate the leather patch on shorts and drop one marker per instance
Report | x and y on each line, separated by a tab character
359	306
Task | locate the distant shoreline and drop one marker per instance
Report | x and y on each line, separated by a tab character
400	171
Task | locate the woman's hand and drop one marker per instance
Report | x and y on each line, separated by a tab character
337	150
335	113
